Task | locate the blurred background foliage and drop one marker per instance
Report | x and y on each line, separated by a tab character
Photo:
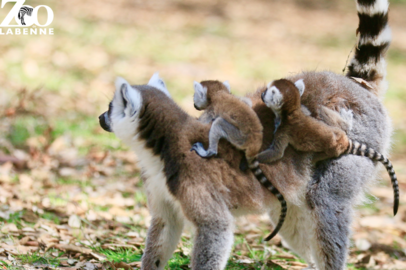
246	42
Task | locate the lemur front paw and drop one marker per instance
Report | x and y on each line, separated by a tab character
266	157
199	149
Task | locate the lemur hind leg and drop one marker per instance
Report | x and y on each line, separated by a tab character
213	243
163	234
219	129
342	120
276	150
214	224
298	231
336	187
338	122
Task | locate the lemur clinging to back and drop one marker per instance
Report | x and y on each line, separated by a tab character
237	123
305	133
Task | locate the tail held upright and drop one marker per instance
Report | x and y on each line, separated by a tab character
368	62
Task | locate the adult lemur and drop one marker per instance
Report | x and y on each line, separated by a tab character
237	123
208	192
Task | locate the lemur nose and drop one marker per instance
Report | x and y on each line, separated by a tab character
103	124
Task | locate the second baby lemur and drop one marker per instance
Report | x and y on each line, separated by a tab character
237	123
305	133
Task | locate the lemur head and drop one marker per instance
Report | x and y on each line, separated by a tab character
205	90
283	95
127	104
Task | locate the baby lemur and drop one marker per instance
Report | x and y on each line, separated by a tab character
307	134
237	123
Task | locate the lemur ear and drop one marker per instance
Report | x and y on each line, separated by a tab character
227	85
200	96
200	90
301	86
158	83
121	86
130	97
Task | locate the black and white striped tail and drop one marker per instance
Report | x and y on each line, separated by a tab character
368	62
254	167
361	149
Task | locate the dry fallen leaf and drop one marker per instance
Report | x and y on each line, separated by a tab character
74	221
70	248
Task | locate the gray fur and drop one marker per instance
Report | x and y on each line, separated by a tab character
338	185
163	235
219	129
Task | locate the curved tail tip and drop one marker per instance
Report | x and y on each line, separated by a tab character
395	207
269	237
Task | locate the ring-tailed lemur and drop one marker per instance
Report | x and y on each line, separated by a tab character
237	123
180	184
208	192
305	133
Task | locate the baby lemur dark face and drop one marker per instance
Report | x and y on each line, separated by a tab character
283	95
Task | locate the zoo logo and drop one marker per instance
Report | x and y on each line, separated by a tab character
25	15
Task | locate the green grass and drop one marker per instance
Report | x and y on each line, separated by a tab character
25	127
17	216
178	262
72	181
13	218
121	255
351	266
36	258
140	197
52	217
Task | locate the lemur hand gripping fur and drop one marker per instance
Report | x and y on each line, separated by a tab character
237	123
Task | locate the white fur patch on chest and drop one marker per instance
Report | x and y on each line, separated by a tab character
153	172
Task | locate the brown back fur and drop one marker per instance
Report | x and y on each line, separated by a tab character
304	132
237	113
